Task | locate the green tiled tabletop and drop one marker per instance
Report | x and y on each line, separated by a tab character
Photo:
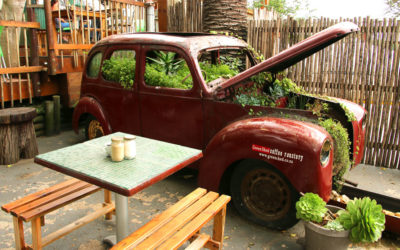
88	161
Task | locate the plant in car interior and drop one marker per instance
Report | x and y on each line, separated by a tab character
168	62
119	69
215	71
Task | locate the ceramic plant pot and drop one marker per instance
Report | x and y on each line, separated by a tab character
320	238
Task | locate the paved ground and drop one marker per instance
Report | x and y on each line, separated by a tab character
26	177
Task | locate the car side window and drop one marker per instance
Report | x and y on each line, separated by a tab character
94	65
167	69
120	67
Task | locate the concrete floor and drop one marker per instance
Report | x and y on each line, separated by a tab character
26	177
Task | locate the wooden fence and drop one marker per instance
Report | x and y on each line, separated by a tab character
363	68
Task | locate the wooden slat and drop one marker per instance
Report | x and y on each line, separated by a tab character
77	224
176	223
20	202
196	224
27	216
48	198
8	23
199	242
22	69
160	220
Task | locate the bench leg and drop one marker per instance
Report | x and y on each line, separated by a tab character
219	227
36	233
107	200
19	233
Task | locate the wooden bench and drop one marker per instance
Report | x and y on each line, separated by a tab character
182	222
34	207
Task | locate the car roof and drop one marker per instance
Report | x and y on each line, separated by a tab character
193	42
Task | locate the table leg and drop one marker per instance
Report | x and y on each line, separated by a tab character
121	214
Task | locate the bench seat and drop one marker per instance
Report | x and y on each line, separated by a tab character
34	207
182	222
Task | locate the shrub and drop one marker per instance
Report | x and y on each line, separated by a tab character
121	70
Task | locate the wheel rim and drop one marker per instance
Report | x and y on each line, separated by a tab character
94	129
266	194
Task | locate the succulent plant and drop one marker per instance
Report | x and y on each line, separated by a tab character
311	207
364	218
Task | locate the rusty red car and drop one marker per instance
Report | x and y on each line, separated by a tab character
171	87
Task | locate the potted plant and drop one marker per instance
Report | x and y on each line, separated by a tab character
329	227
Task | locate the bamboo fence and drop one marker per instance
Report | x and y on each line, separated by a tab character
363	68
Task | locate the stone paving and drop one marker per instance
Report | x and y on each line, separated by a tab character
26	177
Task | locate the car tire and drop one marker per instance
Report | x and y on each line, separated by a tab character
263	195
93	128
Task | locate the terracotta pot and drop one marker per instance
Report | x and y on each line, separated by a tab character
320	238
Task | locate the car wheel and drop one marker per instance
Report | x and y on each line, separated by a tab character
263	195
93	128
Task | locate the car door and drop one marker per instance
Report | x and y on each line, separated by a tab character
111	89
170	97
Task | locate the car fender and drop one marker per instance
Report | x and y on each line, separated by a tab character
89	105
293	147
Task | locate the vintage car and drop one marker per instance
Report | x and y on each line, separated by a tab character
184	88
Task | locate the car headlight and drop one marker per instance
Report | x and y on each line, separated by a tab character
325	153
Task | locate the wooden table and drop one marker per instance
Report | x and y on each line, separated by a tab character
155	160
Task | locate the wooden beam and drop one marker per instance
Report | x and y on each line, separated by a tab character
162	15
131	2
73	46
33	25
22	69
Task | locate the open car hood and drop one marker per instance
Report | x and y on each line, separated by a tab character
296	53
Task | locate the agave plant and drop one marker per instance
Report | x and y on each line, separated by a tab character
167	61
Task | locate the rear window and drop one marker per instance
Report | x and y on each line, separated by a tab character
93	68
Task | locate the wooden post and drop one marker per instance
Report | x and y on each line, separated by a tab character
49	118
50	38
34	52
162	16
57	114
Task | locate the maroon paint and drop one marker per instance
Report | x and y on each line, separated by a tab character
196	117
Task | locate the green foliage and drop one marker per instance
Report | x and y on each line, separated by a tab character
121	70
156	76
334	225
341	155
350	115
169	64
284	7
215	71
311	207
364	218
233	62
393	8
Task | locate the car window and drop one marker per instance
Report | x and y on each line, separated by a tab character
120	67
94	66
167	69
223	63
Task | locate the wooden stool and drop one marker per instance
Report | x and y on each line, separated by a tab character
18	139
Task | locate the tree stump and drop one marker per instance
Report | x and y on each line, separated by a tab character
17	133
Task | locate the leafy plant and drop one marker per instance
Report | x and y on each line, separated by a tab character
311	207
215	71
119	69
364	218
155	76
334	225
341	154
169	64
